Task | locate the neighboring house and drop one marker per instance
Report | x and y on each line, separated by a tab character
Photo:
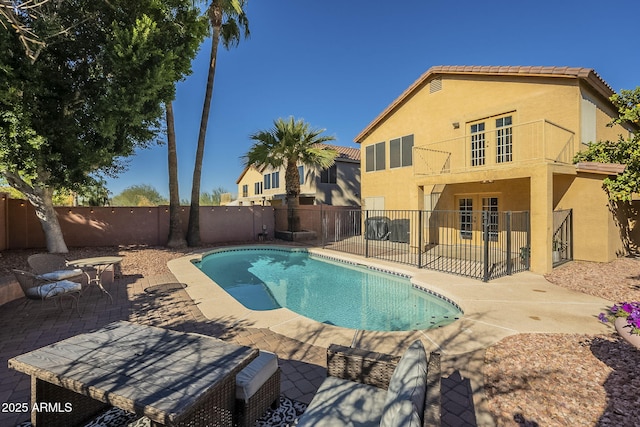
338	185
469	139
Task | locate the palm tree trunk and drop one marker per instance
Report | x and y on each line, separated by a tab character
193	229
176	234
292	187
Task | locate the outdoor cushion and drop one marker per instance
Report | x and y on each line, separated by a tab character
60	274
254	375
408	382
402	414
49	290
340	402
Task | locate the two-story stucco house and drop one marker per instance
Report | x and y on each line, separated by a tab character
338	185
469	139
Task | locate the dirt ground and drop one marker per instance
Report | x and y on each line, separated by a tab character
570	380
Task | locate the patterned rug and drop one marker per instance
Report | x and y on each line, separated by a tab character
286	415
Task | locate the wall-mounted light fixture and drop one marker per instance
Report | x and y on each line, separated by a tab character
456	125
487	181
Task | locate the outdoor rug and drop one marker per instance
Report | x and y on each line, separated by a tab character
286	415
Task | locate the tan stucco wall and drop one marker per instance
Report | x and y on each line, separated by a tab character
596	236
430	117
539	168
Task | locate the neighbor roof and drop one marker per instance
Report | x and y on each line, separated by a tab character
344	153
588	75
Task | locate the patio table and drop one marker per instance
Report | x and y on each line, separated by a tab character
99	264
173	378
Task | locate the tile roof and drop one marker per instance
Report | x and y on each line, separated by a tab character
348	153
587	74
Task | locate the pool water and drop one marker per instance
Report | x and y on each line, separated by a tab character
326	290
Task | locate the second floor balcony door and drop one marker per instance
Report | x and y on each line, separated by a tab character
491	141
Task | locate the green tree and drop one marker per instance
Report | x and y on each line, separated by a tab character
93	94
214	198
624	151
228	24
289	143
139	195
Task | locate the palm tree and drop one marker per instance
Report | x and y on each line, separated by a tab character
289	143
176	234
228	23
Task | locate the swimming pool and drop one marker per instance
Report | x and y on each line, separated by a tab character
325	289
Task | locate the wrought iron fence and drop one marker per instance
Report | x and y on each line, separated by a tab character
479	244
562	245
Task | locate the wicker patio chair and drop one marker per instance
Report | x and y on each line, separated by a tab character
38	289
52	268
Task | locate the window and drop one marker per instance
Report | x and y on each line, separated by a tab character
245	190
504	140
329	175
466	218
275	180
400	152
490	204
301	174
375	159
267	182
477	144
258	188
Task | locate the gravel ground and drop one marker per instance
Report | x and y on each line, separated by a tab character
530	379
570	380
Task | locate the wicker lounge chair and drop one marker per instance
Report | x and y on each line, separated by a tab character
39	289
368	388
52	268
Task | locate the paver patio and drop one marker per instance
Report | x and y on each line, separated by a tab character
160	300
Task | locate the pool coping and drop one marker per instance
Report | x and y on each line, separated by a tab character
521	303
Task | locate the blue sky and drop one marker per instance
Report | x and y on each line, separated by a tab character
338	64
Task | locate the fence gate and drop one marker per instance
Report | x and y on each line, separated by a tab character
479	244
562	245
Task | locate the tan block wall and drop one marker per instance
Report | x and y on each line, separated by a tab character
106	226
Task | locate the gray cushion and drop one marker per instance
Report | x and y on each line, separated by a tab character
341	402
53	289
60	274
402	413
408	382
254	375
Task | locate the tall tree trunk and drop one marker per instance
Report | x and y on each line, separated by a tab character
176	234
292	187
40	197
193	229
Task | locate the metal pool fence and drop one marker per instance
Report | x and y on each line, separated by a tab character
479	244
